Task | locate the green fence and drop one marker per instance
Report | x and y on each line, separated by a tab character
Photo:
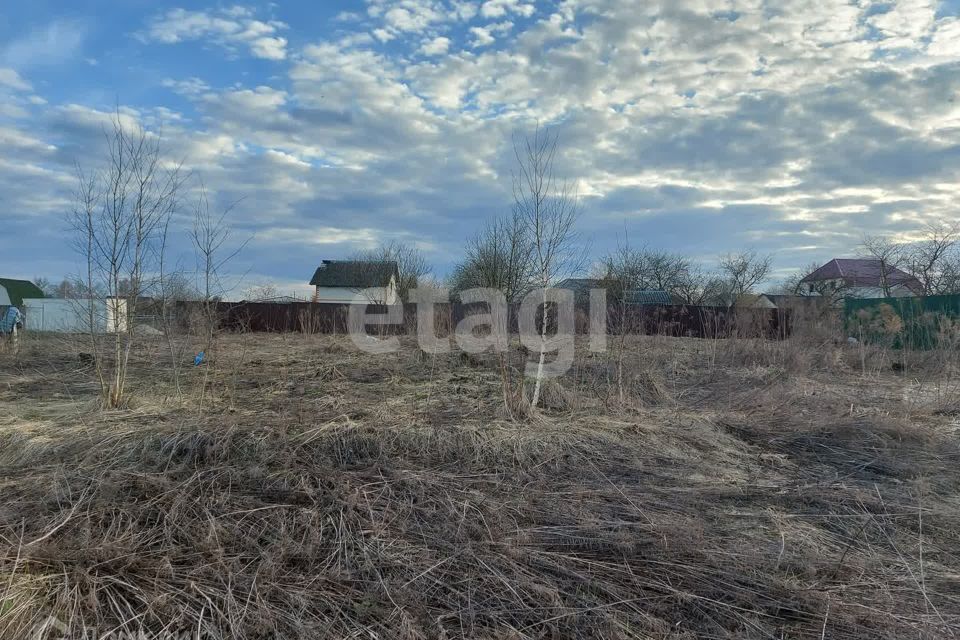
914	323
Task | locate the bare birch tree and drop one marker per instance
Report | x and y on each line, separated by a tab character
210	235
548	208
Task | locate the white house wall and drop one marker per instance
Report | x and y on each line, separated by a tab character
4	297
896	291
343	295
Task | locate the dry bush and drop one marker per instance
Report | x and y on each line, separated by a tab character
649	389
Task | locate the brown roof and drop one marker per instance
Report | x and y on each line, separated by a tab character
864	272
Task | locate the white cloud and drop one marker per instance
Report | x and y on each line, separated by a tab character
435	47
229	28
398	17
269	48
383	35
499	8
945	41
13	139
481	36
484	36
188	87
364	237
10	78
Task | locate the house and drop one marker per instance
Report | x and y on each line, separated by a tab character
581	292
12	292
356	281
581	288
860	278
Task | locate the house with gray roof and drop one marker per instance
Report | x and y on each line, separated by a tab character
356	282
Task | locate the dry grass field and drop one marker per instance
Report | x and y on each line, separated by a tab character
298	488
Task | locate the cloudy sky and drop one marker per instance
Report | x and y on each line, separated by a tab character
699	126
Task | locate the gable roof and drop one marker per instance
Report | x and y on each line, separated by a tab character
354	274
20	289
864	272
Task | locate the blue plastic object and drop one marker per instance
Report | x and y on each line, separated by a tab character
199	359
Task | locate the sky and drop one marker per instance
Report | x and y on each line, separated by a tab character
792	127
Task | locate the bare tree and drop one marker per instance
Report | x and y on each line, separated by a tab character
45	285
631	269
933	260
741	273
210	236
261	292
410	261
120	218
889	254
548	209
173	287
622	270
695	286
498	257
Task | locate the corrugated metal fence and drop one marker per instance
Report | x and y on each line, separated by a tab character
925	322
667	320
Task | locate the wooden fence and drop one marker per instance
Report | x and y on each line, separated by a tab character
666	320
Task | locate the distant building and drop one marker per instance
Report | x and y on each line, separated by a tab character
581	292
356	281
75	315
860	278
581	288
12	292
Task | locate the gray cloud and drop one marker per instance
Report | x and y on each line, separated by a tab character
788	128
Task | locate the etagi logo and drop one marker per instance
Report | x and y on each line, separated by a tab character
479	332
55	629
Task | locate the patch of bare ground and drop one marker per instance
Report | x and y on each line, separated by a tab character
296	488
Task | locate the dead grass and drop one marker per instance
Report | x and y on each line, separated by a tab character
742	489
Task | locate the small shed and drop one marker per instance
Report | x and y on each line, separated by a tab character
353	281
73	315
61	315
